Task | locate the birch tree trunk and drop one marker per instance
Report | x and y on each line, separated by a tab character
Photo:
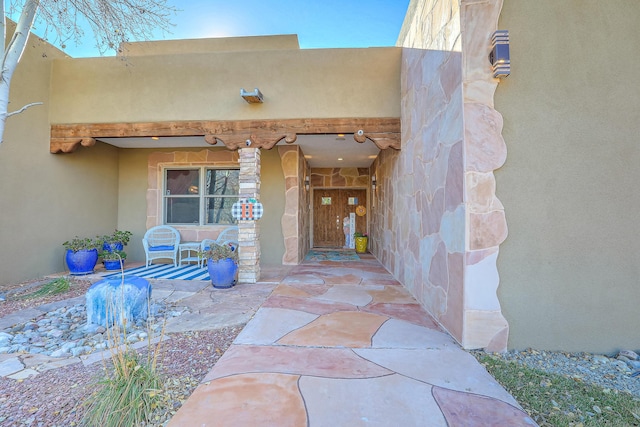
12	54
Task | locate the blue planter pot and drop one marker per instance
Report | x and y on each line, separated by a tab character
112	247
81	262
113	264
222	273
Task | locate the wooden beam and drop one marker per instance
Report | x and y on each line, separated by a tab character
233	133
222	127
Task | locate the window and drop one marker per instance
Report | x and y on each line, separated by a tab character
185	202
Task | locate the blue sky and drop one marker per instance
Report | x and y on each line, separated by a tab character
318	23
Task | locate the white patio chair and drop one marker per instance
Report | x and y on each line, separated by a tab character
161	242
228	235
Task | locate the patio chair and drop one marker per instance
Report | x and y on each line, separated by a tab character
161	242
228	235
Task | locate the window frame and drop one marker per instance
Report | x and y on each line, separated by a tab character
202	197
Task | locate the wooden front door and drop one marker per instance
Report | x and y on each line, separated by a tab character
330	207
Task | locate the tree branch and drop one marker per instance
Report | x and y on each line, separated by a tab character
23	108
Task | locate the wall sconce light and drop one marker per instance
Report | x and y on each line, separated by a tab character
307	183
499	55
254	97
374	183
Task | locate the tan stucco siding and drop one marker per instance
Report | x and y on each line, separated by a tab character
132	200
217	44
272	197
47	199
570	267
330	83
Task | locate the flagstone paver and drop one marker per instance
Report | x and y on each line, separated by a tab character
264	399
341	329
317	362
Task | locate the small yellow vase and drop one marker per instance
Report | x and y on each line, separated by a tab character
361	244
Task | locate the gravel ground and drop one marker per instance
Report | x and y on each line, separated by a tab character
78	287
55	398
607	372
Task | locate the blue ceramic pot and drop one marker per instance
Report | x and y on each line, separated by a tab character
112	247
222	273
82	261
112	264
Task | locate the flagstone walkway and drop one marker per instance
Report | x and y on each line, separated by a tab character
344	344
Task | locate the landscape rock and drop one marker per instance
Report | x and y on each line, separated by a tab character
629	354
118	301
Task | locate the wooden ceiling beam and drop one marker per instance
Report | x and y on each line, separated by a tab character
234	134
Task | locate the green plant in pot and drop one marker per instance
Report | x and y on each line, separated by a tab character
82	255
113	260
115	241
113	244
222	264
361	240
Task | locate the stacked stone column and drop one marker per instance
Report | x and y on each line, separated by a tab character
249	231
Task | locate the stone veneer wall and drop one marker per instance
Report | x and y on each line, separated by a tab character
249	231
485	151
295	220
435	209
339	177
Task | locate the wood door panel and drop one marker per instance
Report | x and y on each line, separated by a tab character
327	218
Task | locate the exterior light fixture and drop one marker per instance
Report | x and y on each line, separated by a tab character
374	183
254	97
307	183
499	55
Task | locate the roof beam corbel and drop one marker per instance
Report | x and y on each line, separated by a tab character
253	140
382	140
69	145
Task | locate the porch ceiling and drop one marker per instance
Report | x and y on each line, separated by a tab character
321	151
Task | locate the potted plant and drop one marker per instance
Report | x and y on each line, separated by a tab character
113	260
361	242
115	241
113	244
81	255
222	263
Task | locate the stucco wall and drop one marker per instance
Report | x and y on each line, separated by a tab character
570	266
47	199
216	44
272	197
331	83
